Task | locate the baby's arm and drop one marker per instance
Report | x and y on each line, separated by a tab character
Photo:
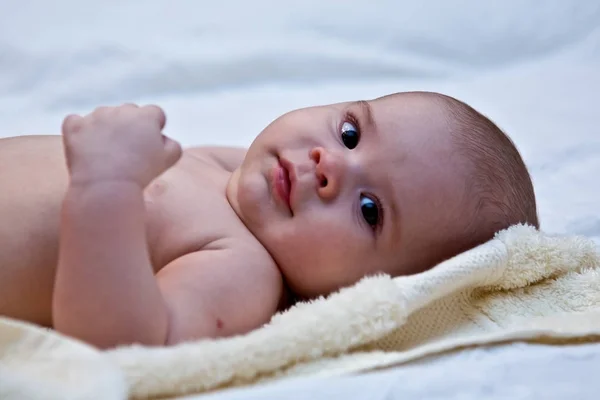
105	291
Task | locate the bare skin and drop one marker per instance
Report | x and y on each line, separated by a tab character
31	228
110	235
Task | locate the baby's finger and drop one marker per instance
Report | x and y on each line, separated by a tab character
156	113
172	151
71	123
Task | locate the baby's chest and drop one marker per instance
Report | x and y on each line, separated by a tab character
185	212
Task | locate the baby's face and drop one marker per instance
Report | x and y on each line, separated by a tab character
341	191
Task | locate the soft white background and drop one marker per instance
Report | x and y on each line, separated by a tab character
224	69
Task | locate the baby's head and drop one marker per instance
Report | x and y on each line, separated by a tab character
392	185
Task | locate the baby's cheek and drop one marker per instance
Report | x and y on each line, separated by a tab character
330	249
335	227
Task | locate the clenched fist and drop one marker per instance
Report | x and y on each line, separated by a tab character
118	143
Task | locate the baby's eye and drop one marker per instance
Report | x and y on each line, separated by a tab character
370	211
350	135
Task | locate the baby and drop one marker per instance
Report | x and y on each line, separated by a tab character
113	235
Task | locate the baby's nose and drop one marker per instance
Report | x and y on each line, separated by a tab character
329	171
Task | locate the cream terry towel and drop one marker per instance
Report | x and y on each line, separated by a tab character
521	285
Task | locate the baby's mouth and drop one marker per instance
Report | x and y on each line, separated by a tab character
283	184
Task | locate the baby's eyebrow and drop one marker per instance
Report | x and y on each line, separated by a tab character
366	111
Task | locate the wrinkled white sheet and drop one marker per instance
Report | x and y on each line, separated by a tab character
223	70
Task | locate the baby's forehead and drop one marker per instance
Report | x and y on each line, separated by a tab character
409	115
413	104
414	143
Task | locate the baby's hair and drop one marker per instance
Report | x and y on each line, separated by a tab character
500	184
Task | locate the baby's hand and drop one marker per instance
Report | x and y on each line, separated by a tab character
118	143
